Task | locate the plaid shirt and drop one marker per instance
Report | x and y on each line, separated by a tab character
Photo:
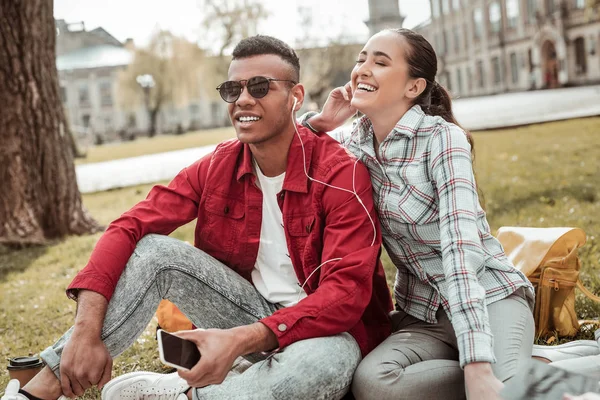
434	228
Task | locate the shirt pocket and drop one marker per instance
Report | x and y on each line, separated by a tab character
223	223
414	173
413	204
300	231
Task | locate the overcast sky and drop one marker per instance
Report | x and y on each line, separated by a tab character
139	18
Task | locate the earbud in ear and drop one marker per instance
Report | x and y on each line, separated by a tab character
295	102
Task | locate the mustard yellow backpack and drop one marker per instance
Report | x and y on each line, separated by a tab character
549	259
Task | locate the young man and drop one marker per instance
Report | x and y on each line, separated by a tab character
282	263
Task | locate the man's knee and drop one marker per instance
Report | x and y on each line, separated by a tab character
153	247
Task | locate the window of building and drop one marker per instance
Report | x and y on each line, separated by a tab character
444	42
469	79
480	74
477	23
445	6
215	111
580	56
63	94
550	6
108	124
84	95
435	8
514	68
592	46
466	36
131	121
85	120
497	70
580	3
448	80
495	17
457	38
105	94
459	81
194	109
456	5
531	11
512	13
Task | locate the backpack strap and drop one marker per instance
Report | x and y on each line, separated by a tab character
587	292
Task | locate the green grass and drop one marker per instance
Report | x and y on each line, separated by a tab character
157	144
542	175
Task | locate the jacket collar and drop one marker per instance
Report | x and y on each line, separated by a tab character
295	178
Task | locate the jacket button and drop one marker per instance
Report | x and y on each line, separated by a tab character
226	210
282	327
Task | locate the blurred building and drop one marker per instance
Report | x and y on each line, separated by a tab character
384	14
89	63
494	46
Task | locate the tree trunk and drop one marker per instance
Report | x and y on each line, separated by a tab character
39	198
153	116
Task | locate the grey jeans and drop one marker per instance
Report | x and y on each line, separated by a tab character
214	296
420	360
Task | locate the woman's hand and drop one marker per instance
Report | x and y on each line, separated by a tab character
481	383
336	110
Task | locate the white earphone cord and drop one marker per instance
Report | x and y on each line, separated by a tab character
353	191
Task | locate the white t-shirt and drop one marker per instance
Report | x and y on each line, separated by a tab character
273	274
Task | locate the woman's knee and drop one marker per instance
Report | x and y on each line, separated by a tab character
389	379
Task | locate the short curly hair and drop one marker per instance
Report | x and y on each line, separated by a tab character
262	44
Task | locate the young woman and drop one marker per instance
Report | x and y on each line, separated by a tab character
460	304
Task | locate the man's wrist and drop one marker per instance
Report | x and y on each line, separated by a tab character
254	338
91	309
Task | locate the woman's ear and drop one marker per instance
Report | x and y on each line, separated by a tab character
416	87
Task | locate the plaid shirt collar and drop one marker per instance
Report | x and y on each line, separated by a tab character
407	126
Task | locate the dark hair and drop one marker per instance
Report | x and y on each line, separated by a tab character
261	44
422	63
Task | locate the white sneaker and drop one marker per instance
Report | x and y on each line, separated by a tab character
145	386
12	392
566	351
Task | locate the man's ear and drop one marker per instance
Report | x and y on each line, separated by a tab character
298	94
416	87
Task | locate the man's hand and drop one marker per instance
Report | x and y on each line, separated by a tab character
219	349
336	110
481	383
85	362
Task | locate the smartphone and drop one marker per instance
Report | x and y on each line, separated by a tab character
177	352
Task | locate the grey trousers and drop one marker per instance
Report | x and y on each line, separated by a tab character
213	296
420	360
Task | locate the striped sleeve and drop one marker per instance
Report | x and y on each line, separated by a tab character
462	254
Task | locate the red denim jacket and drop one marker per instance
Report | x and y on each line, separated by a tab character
321	223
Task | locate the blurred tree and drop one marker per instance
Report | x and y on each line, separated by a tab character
167	72
225	23
325	67
39	198
326	61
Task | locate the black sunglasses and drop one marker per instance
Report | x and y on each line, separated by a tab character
258	87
